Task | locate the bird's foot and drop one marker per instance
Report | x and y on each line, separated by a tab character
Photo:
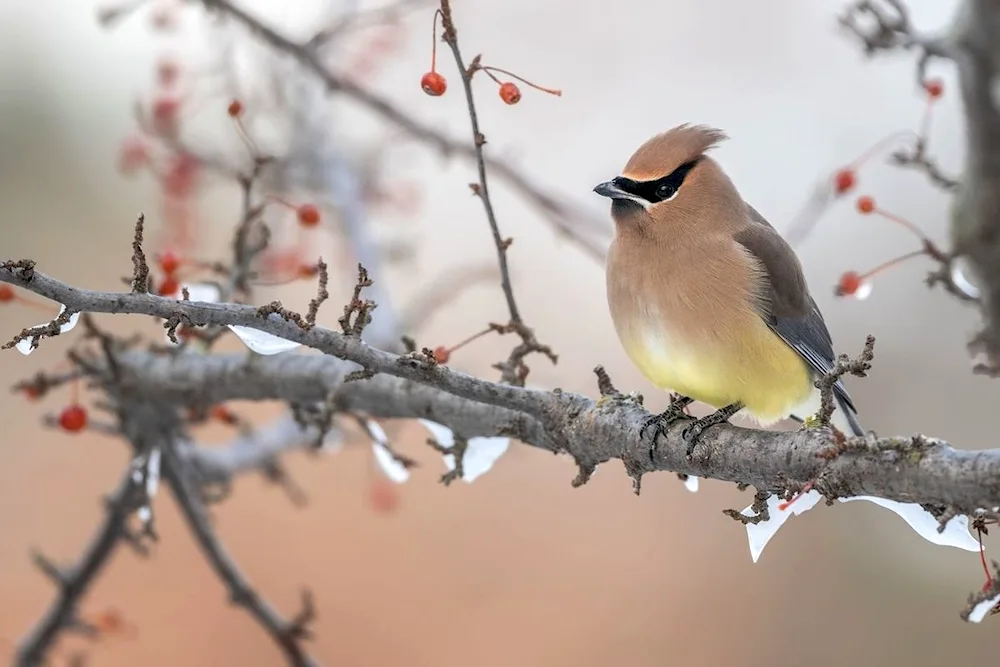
674	412
693	433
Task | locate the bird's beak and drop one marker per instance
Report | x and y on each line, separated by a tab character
610	190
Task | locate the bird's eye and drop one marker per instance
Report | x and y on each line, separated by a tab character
665	191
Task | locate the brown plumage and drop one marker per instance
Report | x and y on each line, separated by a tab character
673	147
707	298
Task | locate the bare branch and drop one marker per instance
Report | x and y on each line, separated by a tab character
975	222
140	269
73	582
249	452
360	308
321	293
859	367
908	469
568	221
286	634
514	370
558	421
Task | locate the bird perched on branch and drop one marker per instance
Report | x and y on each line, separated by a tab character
708	300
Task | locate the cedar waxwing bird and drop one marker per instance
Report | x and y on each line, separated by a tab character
708	300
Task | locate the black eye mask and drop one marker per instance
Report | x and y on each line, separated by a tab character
661	189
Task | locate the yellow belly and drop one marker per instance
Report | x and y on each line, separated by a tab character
758	370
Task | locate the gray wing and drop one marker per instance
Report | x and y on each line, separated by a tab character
789	309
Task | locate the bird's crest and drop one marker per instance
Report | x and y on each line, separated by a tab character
664	152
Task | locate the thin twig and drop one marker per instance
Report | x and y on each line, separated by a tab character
570	222
287	635
514	370
75	581
140	268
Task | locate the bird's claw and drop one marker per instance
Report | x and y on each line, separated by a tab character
692	434
673	413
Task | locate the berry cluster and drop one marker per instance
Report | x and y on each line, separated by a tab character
858	284
435	85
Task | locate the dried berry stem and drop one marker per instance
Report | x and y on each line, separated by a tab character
471	338
434	40
489	69
878	146
892	262
902	221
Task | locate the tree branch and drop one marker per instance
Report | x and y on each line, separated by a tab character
74	582
568	221
907	469
972	44
286	634
248	452
916	469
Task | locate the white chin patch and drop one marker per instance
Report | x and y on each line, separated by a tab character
639	200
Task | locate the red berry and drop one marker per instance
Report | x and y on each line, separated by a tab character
73	418
181	176
221	413
849	283
163	18
934	88
307	271
866	204
133	154
308	215
32	392
168	287
6	293
167	72
184	333
442	354
235	109
510	93
166	110
844	180
433	84
383	496
169	262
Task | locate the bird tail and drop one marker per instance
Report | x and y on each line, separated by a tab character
846	419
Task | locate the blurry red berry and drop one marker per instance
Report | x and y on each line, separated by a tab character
169	262
221	413
849	283
934	88
308	215
307	271
73	418
166	110
433	84
167	72
109	621
133	154
510	93
6	293
866	204
168	287
163	17
184	333
441	354
844	180
235	109
32	392
383	496
181	176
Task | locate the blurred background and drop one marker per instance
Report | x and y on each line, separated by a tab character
517	568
